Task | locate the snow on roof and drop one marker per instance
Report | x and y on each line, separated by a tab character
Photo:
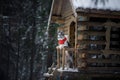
113	5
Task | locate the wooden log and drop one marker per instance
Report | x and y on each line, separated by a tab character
111	24
70	49
67	11
90	51
82	18
59	8
104	68
111	51
82	64
81	37
97	24
82	55
82	46
114	35
67	14
96	33
84	73
65	30
94	51
81	27
90	60
57	19
69	19
91	42
98	15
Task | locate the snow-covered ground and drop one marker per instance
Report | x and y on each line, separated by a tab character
47	74
61	70
67	70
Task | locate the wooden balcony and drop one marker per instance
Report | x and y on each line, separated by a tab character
86	64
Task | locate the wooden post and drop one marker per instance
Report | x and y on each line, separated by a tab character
108	29
108	37
58	57
76	57
63	58
61	51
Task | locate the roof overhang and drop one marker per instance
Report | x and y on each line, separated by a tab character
98	13
57	15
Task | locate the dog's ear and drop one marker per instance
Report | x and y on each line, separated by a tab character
60	32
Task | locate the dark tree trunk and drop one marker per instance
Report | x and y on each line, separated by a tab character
18	52
33	50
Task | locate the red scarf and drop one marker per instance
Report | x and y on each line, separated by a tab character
62	41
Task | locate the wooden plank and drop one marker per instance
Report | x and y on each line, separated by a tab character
108	31
57	19
100	11
63	59
91	42
59	9
82	27
97	24
69	19
82	18
67	11
68	14
58	57
102	61
85	73
111	51
65	30
70	49
81	37
104	68
112	24
96	33
100	51
98	15
94	51
90	51
88	23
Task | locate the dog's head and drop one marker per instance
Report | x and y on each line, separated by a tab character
60	35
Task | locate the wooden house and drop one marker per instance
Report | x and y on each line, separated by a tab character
93	31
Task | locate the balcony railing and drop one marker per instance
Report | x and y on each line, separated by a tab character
89	60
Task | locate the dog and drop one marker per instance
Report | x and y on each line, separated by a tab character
63	42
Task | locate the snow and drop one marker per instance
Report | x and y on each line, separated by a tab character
113	5
67	70
47	74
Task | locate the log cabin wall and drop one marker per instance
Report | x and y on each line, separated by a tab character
98	42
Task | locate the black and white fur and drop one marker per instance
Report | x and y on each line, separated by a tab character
68	57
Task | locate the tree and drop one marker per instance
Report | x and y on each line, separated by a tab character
23	46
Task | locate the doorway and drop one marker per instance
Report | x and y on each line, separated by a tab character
72	34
